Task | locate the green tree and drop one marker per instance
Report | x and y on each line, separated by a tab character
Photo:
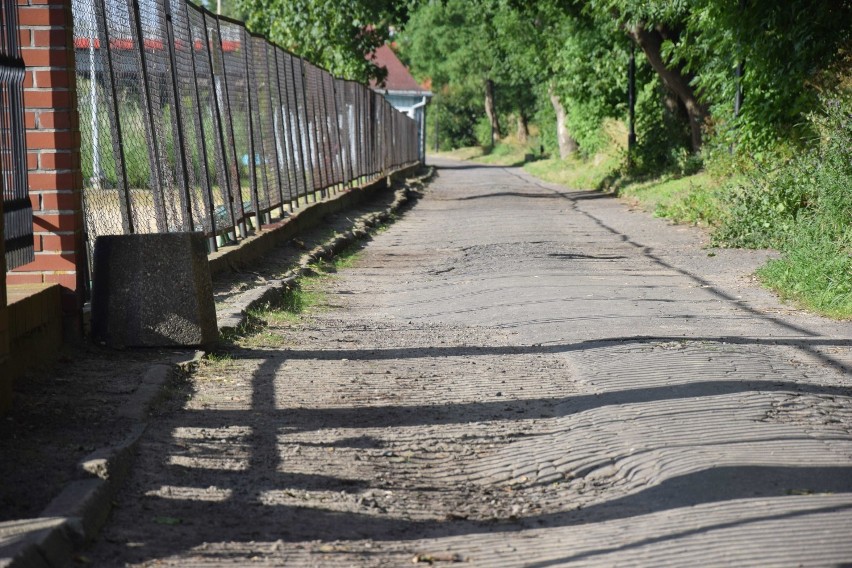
336	34
787	50
478	49
454	43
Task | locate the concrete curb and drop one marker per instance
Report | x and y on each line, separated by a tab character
77	514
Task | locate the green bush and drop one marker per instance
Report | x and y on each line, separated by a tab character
483	132
456	113
772	206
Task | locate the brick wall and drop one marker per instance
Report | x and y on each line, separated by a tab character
5	382
53	155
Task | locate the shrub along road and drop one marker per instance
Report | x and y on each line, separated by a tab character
513	374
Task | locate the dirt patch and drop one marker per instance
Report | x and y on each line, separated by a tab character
60	415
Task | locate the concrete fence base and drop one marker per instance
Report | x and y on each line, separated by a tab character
152	291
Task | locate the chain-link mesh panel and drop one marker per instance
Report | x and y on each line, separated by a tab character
274	147
235	83
161	124
285	131
303	125
190	123
262	125
228	169
208	156
333	127
320	126
313	147
106	102
367	134
190	162
344	121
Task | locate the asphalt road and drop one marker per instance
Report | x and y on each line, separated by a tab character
513	374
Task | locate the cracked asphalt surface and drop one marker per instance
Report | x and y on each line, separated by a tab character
513	374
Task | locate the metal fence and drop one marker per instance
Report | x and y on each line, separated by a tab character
17	209
191	123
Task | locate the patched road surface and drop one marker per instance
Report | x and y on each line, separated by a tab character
513	374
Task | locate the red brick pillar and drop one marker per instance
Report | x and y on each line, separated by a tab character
53	153
5	382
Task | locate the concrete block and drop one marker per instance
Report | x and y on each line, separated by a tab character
152	291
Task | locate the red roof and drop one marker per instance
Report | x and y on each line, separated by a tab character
399	78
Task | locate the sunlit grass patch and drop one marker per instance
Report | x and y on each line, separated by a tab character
468	153
693	200
576	172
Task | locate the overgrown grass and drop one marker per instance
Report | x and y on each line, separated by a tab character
508	153
693	199
294	305
815	272
575	172
468	153
804	209
591	173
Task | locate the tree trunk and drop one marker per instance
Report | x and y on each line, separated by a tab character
650	41
523	128
490	110
567	144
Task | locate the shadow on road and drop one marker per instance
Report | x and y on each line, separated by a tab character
266	471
